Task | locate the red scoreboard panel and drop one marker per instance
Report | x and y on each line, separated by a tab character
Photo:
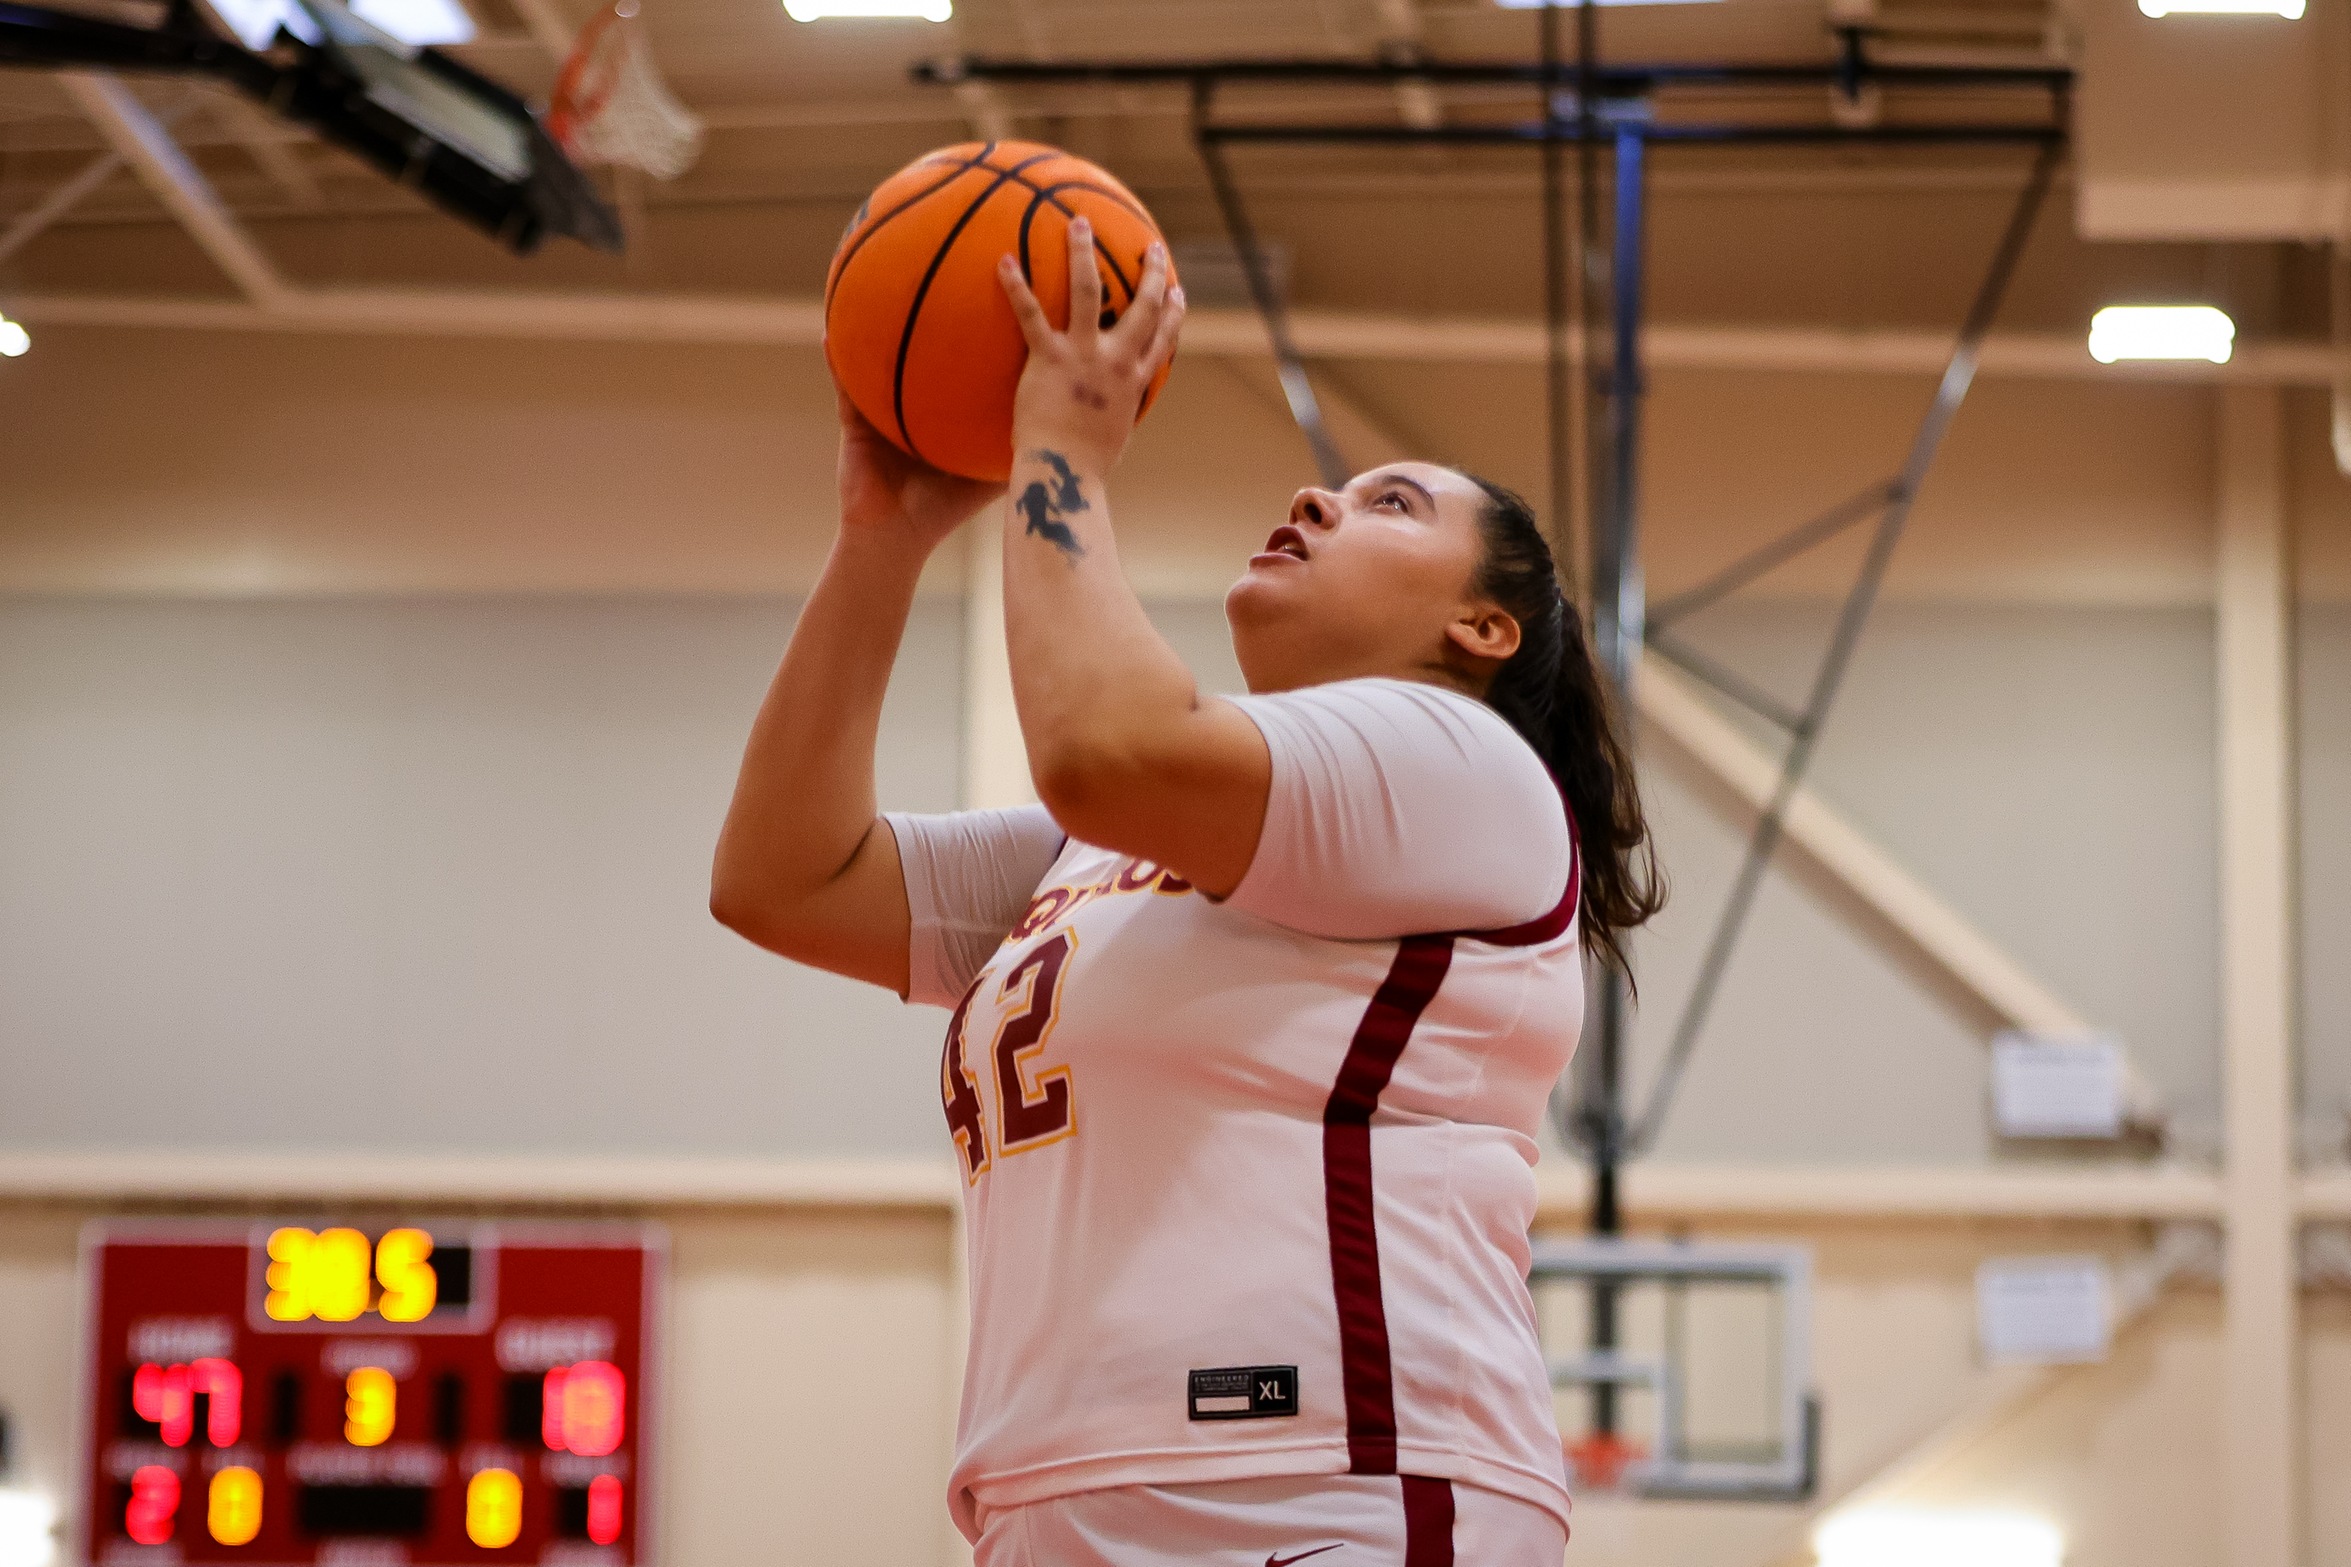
319	1394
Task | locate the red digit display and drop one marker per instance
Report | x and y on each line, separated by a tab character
155	1497
223	1386
324	1394
582	1408
159	1395
604	1509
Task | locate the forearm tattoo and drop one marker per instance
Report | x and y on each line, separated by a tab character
1045	503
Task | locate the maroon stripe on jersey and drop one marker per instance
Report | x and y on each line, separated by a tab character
1413	978
1428	1522
1551	926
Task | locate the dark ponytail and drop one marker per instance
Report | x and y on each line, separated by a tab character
1551	693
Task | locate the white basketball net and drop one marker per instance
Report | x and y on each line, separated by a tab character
612	107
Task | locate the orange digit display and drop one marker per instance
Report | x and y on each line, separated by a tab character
409	1284
232	1512
371	1400
324	1275
493	1508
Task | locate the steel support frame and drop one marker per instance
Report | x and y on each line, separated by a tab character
320	88
1611	108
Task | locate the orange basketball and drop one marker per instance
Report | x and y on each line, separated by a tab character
916	327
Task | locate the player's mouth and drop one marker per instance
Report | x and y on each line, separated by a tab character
1287	543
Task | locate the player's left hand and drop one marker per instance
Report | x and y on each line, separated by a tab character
1082	388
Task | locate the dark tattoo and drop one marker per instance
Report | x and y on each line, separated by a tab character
1042	505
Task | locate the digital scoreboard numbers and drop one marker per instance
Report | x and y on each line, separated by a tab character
321	1394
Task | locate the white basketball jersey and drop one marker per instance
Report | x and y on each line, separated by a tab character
1244	1201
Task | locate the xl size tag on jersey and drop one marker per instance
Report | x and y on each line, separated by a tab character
1244	1392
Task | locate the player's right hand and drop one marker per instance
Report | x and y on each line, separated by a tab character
884	489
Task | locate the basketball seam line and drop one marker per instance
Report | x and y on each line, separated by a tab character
1051	193
833	283
1030	216
922	291
1125	201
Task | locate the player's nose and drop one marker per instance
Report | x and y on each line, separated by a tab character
1314	508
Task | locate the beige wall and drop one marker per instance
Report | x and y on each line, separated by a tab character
263	463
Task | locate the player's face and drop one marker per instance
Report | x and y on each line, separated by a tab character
1360	580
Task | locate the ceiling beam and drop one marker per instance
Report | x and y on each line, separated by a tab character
718	320
547	25
58	202
1400	37
147	147
279	157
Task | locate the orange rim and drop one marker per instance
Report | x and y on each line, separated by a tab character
572	104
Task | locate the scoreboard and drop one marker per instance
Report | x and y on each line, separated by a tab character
320	1394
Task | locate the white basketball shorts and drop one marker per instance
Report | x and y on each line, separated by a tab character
1325	1520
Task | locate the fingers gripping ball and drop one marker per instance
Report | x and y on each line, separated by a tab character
917	329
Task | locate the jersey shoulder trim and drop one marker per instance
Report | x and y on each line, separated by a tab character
1544	927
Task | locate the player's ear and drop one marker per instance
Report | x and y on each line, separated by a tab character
1484	631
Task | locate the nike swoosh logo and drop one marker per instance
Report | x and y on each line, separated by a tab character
1284	1561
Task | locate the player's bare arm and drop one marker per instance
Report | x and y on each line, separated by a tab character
804	866
1125	750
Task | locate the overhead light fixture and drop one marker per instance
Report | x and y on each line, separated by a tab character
829	10
28	1522
1903	1537
2161	332
14	340
2291	10
420	24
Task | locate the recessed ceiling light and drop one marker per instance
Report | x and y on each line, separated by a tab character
823	10
2291	10
14	340
2161	332
1904	1537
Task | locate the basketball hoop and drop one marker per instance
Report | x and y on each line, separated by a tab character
610	105
1600	1459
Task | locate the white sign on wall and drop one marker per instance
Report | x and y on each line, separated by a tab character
2043	1311
2047	1085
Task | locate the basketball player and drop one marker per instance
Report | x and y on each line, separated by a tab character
1254	1018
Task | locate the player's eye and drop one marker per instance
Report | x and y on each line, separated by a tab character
1397	496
